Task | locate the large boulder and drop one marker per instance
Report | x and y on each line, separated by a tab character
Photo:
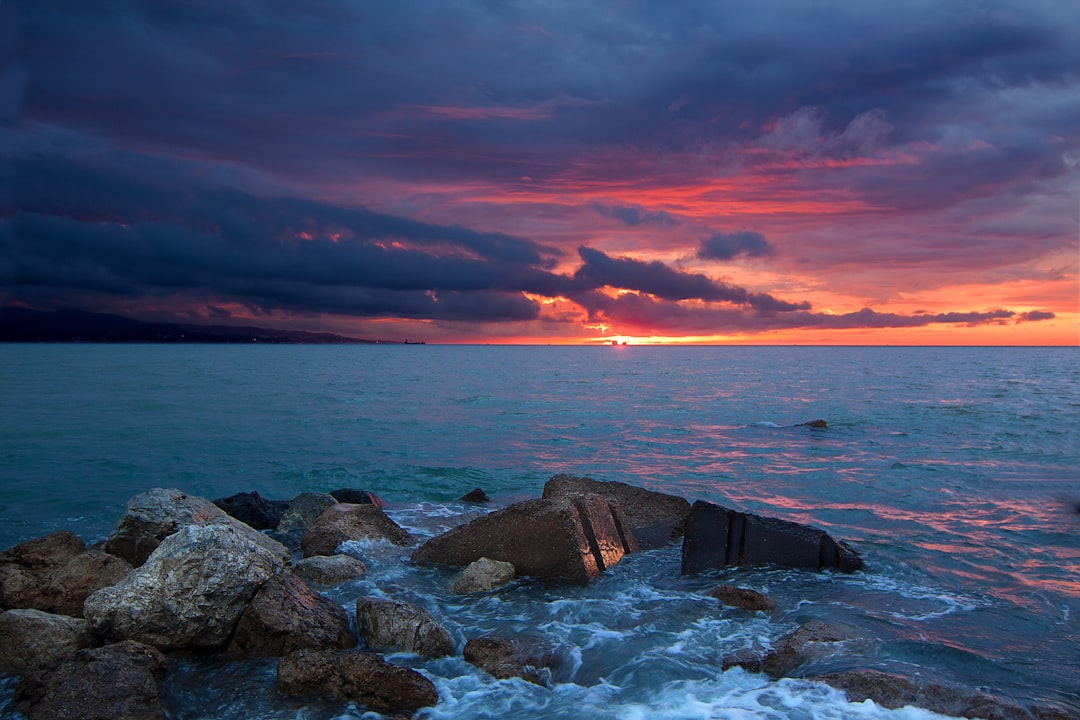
504	658
56	573
355	676
287	615
329	569
350	521
304	510
34	640
482	575
253	509
189	593
718	537
152	516
115	682
395	626
574	538
655	518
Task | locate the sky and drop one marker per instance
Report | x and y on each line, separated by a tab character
557	171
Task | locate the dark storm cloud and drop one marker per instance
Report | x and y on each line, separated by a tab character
727	246
635	215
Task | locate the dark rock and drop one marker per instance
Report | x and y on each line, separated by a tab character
355	676
574	538
349	521
476	495
55	574
190	592
483	575
392	625
329	569
655	518
304	510
742	598
357	497
115	682
718	537
815	424
254	510
893	691
35	640
287	615
805	643
504	658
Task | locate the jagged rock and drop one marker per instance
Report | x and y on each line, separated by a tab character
189	593
154	515
504	658
482	575
742	598
287	615
573	537
718	537
253	509
392	625
806	642
356	497
893	691
476	495
115	682
349	521
33	640
304	509
355	676
655	518
329	569
56	573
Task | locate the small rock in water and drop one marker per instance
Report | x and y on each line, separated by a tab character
357	497
818	424
504	658
329	569
742	598
476	495
356	676
350	521
482	575
393	625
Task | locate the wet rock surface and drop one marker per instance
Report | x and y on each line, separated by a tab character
482	575
504	658
719	537
809	641
329	570
286	615
392	625
742	598
35	640
350	521
361	677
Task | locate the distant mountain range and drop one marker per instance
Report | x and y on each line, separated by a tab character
22	325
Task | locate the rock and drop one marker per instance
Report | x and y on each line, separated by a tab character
355	676
574	538
304	509
805	643
349	521
742	598
56	573
482	575
254	510
655	518
189	593
718	537
357	497
392	625
329	569
505	658
34	640
287	615
815	424
893	691
154	515
476	495
115	682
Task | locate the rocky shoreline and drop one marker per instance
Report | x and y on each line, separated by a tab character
245	576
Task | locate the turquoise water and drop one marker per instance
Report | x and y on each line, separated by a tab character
951	470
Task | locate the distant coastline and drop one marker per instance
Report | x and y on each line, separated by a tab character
21	325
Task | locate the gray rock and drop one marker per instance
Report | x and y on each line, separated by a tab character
329	569
391	625
655	518
482	575
349	521
152	516
573	538
189	593
115	682
355	676
718	537
287	615
304	510
34	640
742	598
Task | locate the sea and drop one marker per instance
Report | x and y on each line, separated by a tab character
954	472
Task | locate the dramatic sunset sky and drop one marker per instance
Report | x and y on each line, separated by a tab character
566	171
